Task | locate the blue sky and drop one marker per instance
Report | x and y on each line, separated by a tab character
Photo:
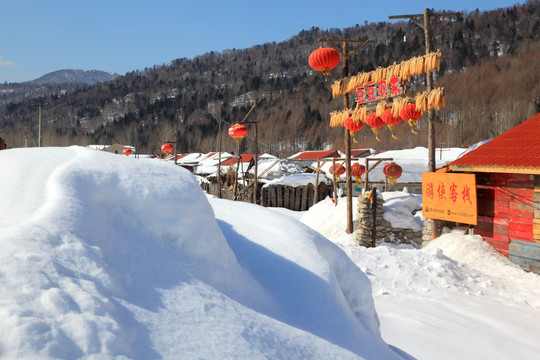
38	37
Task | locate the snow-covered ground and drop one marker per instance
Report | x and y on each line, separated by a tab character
456	298
105	256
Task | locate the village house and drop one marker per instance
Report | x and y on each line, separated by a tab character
507	171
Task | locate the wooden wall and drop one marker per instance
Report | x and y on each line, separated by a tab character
298	198
506	208
536	220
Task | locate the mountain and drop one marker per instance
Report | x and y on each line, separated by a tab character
57	82
88	77
490	69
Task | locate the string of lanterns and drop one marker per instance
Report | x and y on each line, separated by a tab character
391	114
402	109
391	171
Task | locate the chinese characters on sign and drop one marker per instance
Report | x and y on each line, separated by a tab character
371	91
448	196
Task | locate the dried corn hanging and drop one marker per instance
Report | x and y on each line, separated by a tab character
397	105
421	102
381	106
359	113
436	99
333	119
404	70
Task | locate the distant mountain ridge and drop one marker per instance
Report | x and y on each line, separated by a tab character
77	76
490	72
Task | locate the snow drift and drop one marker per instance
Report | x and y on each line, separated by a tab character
106	256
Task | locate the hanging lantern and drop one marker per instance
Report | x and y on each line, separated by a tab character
353	126
324	59
238	132
374	122
337	170
357	170
167	148
126	152
411	115
391	121
392	171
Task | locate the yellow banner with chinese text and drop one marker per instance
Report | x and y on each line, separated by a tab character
449	196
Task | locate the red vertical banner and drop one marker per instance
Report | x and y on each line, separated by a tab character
449	196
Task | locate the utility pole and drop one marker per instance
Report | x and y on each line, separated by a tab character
219	159
346	54
40	106
424	22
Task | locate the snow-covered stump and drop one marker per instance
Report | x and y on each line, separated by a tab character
384	232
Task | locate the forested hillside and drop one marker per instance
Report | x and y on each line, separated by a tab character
490	69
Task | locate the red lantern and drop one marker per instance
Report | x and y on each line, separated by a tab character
126	152
167	148
408	113
238	132
337	170
323	59
390	120
353	126
392	171
374	122
357	170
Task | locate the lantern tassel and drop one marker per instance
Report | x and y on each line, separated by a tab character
413	123
392	129
376	132
392	180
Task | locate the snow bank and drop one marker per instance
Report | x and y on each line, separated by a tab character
456	298
106	256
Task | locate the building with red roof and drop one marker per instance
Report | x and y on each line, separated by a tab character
314	155
507	171
516	151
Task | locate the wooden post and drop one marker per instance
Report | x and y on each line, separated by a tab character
425	25
39	124
236	174
256	162
366	182
219	160
316	192
304	202
374	214
335	182
348	182
431	117
346	54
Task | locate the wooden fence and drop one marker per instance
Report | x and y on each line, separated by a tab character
294	198
298	198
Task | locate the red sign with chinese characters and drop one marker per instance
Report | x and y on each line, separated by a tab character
449	196
371	91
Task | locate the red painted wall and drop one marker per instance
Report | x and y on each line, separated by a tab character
505	208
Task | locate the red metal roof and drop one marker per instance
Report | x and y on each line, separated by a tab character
517	148
234	160
313	155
